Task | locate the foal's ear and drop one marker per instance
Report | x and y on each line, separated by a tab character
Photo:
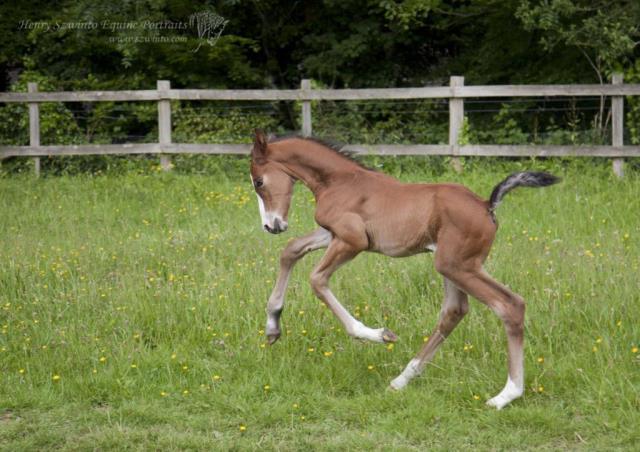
259	144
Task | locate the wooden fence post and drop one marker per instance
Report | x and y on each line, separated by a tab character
617	124
305	85
164	123
456	119
34	126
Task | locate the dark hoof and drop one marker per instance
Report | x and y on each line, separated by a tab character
272	338
389	336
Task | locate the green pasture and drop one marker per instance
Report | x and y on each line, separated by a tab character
132	316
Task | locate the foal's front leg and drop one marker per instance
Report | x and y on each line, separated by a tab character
292	253
338	253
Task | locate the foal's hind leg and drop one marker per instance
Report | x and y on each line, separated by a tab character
338	253
292	253
510	308
454	308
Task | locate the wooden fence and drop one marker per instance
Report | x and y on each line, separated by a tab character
456	93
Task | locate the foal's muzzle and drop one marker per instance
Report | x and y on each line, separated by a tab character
278	226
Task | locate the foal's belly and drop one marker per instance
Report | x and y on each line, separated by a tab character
399	239
398	249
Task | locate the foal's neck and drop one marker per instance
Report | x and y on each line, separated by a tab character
313	163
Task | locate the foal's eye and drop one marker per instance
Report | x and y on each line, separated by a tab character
258	183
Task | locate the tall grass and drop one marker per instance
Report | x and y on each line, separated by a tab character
132	309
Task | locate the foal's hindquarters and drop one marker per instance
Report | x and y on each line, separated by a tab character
463	244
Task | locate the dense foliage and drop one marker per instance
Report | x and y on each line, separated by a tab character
84	44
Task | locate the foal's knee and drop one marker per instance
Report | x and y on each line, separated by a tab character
318	282
290	254
462	308
514	314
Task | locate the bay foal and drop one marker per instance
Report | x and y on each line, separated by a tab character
358	210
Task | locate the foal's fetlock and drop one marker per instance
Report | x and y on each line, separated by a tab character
511	392
411	371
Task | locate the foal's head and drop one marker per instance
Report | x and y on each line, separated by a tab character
273	186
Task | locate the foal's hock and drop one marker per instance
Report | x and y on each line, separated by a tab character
358	209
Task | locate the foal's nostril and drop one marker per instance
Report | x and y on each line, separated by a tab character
278	226
271	230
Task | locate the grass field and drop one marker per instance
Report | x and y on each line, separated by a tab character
132	309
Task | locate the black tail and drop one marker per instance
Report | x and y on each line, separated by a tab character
524	179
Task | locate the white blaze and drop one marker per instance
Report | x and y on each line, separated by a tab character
263	213
266	217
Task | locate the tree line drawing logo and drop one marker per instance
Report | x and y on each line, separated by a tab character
209	27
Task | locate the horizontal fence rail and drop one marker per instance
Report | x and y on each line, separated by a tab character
456	93
440	92
470	150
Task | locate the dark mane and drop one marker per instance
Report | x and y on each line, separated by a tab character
336	147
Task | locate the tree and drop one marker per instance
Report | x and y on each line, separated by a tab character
605	31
